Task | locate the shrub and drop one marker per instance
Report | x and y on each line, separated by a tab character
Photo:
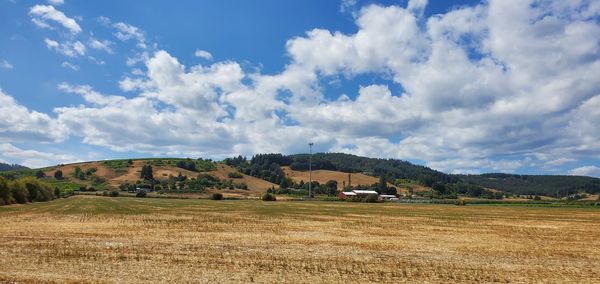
58	174
18	192
105	193
235	175
217	196
57	192
141	193
372	198
5	194
268	197
114	193
461	202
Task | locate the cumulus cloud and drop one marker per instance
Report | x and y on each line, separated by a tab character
17	123
203	54
69	48
5	64
56	2
498	86
42	14
104	45
592	171
125	32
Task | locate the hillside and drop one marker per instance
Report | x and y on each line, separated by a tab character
557	186
111	174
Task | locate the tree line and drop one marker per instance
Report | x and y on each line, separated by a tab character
24	190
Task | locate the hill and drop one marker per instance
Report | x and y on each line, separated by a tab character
269	167
548	185
9	167
181	175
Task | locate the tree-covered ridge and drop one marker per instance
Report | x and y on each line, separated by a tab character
9	167
268	167
557	186
391	169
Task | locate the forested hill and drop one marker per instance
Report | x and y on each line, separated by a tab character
267	166
9	167
559	186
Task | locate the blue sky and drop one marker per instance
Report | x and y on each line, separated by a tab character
460	86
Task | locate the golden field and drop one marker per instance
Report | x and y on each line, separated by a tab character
126	240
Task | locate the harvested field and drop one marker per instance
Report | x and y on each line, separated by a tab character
126	240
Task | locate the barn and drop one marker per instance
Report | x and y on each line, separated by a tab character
346	194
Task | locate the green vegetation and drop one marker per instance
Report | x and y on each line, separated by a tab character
268	167
217	196
9	167
28	189
119	166
556	186
235	175
146	173
268	197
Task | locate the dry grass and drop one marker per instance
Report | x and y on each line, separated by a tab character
124	240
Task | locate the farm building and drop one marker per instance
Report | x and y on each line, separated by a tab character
388	197
346	194
364	192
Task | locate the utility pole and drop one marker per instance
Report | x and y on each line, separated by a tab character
310	169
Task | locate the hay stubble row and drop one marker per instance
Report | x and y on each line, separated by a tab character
89	239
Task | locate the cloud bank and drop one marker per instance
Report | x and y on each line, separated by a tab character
498	86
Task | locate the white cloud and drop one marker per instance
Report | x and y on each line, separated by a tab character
203	54
70	65
104	45
56	2
5	64
348	6
70	49
32	158
591	171
17	123
127	32
41	14
499	86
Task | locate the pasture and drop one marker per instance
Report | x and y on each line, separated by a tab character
125	240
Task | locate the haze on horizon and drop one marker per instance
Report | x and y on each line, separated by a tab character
459	86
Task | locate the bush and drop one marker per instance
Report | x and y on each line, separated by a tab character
105	193
268	197
372	198
58	174
235	175
5	194
18	192
217	196
114	193
461	202
141	193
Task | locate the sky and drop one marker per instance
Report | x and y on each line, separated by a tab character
459	86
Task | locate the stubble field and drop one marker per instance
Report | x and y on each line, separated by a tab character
124	240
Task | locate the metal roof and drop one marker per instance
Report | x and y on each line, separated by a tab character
364	192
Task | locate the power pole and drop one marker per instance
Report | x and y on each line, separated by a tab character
310	169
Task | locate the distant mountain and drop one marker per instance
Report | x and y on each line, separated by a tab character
9	167
558	186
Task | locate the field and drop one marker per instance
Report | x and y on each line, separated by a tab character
124	240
